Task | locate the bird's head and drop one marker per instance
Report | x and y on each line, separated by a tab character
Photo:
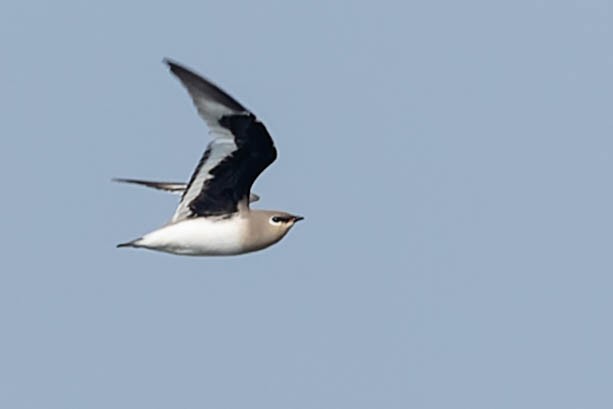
283	220
267	227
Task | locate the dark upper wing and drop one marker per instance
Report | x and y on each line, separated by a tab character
240	150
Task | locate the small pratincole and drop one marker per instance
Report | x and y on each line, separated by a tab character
213	217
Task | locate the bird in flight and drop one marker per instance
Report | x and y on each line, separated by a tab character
213	217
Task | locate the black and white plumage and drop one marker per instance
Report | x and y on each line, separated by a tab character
240	150
213	216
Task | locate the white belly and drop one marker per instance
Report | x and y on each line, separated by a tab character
198	237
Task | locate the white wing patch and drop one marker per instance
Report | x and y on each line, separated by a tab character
217	150
211	112
212	104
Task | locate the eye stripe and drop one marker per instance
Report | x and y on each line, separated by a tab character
279	219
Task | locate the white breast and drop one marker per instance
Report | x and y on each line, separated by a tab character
199	237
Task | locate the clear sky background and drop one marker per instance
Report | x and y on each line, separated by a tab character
453	160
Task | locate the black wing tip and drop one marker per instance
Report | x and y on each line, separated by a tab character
173	65
133	181
128	180
181	71
190	78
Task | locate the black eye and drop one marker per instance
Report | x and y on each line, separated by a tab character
276	219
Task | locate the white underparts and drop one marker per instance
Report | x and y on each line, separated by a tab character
199	237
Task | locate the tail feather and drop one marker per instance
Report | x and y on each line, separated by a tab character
133	243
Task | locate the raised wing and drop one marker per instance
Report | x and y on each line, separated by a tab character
240	150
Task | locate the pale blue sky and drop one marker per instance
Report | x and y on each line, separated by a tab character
453	161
